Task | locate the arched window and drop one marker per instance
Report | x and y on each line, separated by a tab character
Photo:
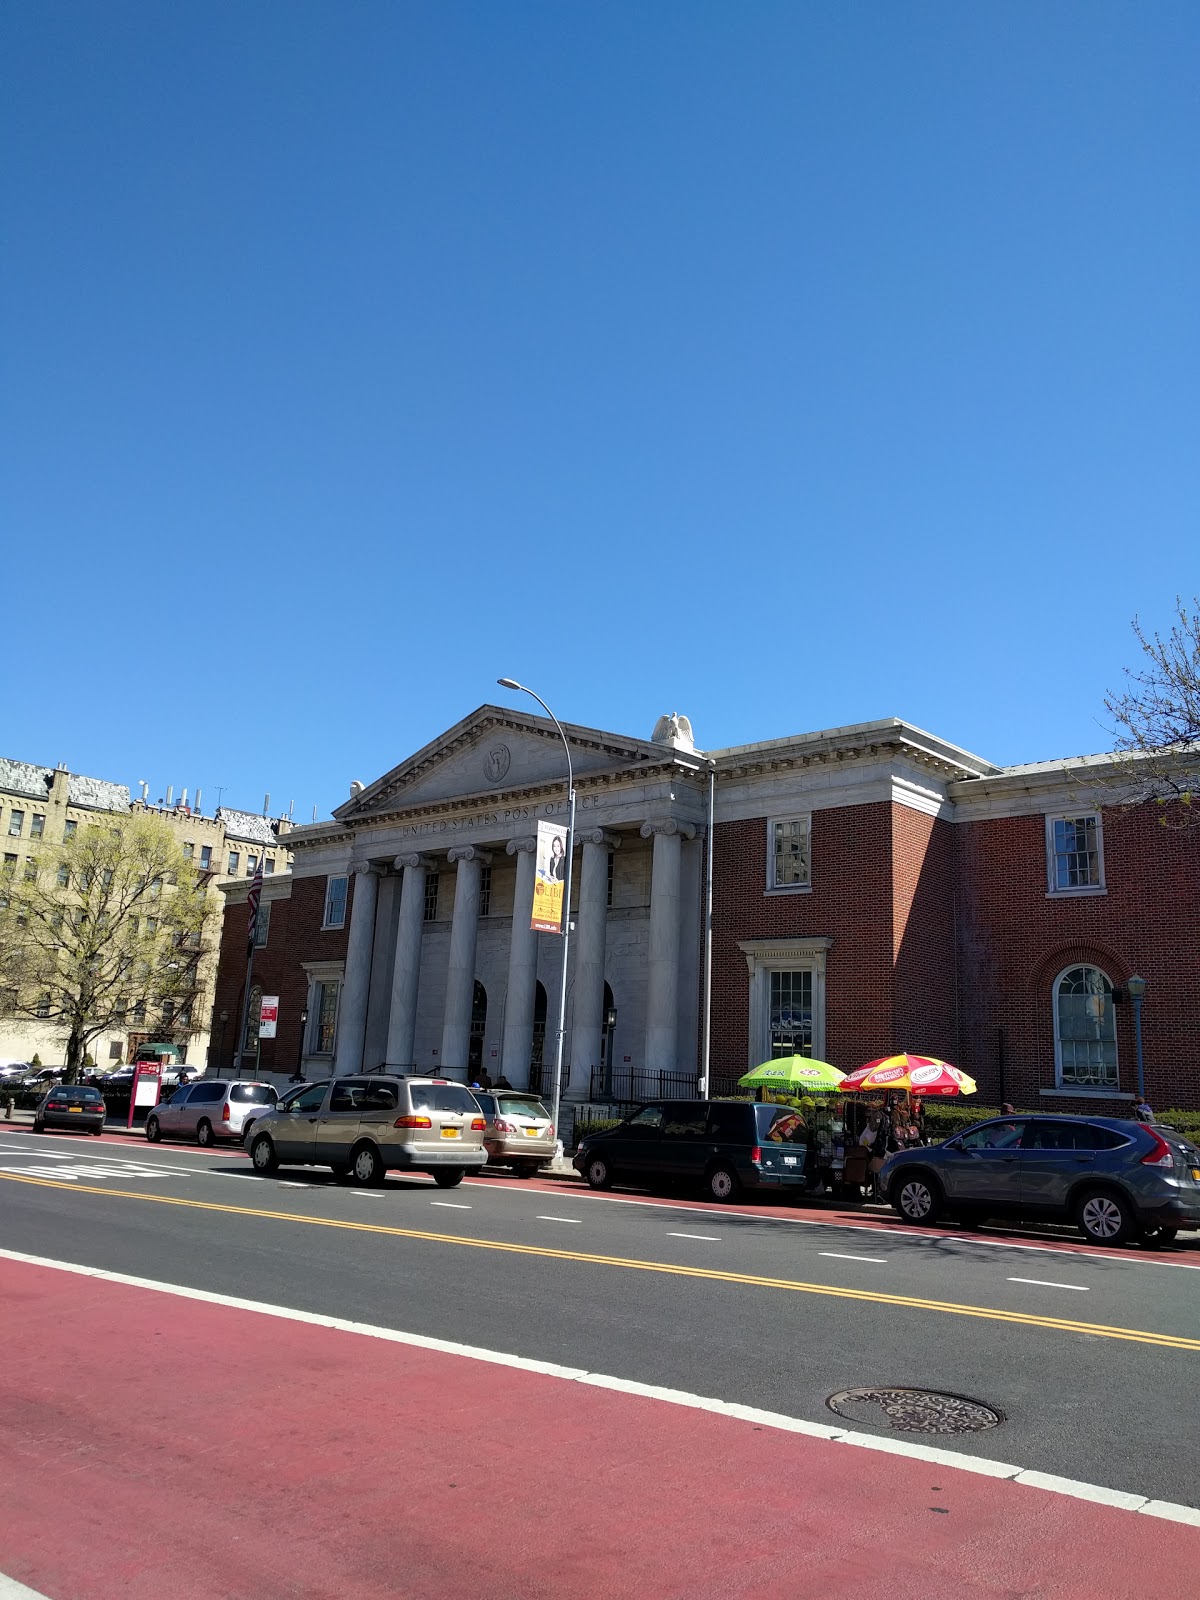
1085	1029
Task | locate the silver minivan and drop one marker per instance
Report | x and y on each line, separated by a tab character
209	1110
364	1127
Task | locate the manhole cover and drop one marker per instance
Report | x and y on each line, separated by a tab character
915	1410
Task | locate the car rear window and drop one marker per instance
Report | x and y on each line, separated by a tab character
521	1105
259	1094
441	1097
780	1125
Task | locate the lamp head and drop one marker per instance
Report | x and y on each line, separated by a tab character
1136	987
508	683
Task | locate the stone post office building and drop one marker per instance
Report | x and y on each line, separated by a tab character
874	888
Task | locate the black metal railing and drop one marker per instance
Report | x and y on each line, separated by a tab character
632	1085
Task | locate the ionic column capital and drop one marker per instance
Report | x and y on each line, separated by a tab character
611	841
468	852
414	859
670	826
529	842
376	867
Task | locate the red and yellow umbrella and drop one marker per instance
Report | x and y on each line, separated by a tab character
917	1074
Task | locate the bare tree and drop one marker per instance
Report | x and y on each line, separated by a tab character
106	930
1157	714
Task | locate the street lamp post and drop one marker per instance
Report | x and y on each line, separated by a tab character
300	1053
511	683
1136	988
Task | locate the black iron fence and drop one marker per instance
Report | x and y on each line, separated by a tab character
632	1085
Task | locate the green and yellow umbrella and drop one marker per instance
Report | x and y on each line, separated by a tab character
792	1072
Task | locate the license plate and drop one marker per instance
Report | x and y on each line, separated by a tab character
789	1161
532	1133
74	1108
1196	1174
449	1133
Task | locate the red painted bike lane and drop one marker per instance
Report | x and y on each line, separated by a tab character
154	1446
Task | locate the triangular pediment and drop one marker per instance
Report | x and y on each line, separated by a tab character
494	751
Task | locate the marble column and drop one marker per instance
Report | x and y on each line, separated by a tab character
460	977
587	1012
402	1018
521	995
662	968
356	981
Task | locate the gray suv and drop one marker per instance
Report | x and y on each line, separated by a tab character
367	1126
1114	1179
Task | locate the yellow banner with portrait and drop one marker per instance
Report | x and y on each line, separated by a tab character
549	878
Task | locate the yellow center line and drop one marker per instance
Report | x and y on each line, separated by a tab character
1166	1341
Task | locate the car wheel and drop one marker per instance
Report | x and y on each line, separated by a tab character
97	1132
524	1169
1104	1217
917	1198
1155	1236
366	1167
38	1126
723	1183
599	1173
262	1154
153	1131
449	1177
205	1135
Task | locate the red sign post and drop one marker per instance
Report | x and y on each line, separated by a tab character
144	1090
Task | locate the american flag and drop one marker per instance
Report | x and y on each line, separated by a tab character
252	900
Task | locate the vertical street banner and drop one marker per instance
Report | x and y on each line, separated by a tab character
548	879
269	1016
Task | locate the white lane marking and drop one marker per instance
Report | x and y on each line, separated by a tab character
921	1235
451	1205
10	1589
86	1170
714	1237
1044	1283
983	1466
242	1177
286	1183
560	1219
840	1255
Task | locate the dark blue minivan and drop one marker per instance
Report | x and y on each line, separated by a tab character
724	1146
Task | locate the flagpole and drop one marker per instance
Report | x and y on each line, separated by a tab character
245	1024
253	900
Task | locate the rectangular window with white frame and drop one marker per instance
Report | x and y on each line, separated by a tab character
325	1020
335	903
789	868
1075	854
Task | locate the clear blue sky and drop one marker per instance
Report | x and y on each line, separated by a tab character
784	364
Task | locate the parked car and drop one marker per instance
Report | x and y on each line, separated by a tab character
1114	1179
42	1077
209	1110
724	1145
367	1126
13	1072
70	1105
519	1132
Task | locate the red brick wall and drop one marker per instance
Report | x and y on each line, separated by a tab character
924	1018
851	902
293	937
1014	941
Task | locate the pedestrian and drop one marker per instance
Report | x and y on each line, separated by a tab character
1008	1109
484	1081
1142	1111
502	1082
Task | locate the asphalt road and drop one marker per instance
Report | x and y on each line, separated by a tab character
1086	1353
